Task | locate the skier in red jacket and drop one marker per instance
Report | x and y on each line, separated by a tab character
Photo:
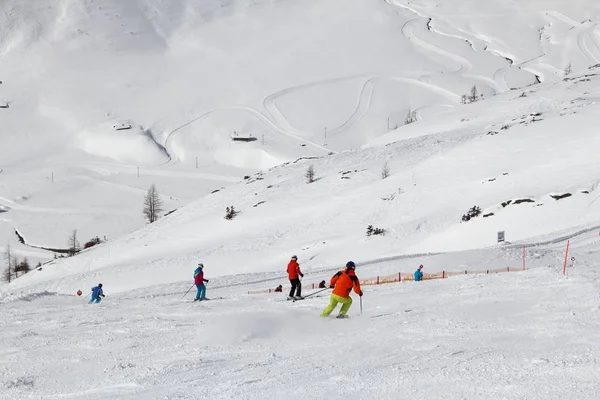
294	275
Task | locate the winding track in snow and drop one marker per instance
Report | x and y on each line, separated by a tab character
408	30
360	109
585	32
497	81
251	111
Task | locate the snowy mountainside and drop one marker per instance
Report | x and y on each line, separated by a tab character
303	78
527	161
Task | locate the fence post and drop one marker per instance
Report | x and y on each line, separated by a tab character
378	279
443	274
524	253
399	276
566	255
487	271
507	269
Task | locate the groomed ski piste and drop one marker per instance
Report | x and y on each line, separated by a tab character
316	83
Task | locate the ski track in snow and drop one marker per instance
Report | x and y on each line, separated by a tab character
292	133
462	64
360	109
585	33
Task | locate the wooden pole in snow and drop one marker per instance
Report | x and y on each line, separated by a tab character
566	255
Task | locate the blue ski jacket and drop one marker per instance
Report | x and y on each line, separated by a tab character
418	276
96	292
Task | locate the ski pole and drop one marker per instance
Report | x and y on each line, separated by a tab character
319	291
361	305
187	291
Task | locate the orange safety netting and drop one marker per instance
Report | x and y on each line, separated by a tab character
401	277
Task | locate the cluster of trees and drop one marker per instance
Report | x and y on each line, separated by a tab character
14	266
472	97
473	212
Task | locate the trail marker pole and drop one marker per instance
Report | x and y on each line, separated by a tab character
566	255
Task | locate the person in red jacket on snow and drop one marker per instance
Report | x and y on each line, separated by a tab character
294	274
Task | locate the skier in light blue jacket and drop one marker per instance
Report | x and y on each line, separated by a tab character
419	274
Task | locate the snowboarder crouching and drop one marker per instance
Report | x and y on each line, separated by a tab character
97	293
342	283
199	282
279	288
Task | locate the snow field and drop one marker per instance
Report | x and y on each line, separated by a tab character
484	337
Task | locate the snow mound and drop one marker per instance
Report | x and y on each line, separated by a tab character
124	142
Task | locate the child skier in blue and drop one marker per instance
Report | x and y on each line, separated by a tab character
419	274
199	281
97	293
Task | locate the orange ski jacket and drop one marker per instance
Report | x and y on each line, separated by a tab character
293	269
344	282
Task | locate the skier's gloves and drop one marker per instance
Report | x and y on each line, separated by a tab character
302	275
331	286
102	295
361	293
206	280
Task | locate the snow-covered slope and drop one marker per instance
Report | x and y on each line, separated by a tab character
525	335
304	78
508	155
106	97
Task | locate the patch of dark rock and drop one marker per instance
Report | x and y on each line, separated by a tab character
520	201
561	196
215	191
21	240
487	215
504	204
585	192
258	204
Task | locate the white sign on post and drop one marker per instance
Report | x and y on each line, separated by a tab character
500	236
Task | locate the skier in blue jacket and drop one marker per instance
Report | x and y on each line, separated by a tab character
419	274
199	282
97	293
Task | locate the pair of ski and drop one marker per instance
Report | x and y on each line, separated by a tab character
205	299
